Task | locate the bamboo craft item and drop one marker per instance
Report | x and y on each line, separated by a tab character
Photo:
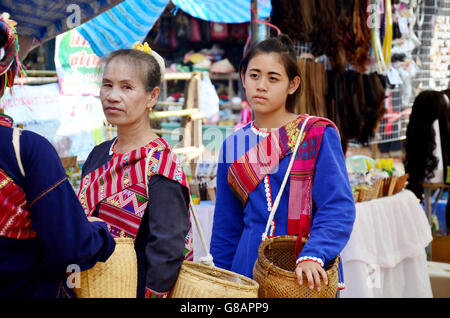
371	193
400	184
274	270
196	280
115	278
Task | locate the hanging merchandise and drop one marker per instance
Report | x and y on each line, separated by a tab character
196	31
239	30
375	9
387	41
182	27
219	31
359	58
312	100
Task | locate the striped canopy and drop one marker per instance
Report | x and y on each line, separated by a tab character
131	20
226	11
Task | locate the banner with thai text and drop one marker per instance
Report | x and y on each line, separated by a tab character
77	66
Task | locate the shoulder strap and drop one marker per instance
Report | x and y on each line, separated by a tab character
288	171
16	143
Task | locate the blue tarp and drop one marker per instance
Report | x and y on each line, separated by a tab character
225	11
123	25
44	19
131	20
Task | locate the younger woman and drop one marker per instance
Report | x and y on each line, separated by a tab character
135	182
317	200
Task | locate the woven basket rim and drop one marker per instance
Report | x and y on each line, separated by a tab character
124	240
190	267
267	264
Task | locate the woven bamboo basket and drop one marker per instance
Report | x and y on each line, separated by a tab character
400	184
389	185
274	270
355	196
115	278
197	280
69	162
372	192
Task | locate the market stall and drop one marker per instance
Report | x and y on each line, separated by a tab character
385	256
367	96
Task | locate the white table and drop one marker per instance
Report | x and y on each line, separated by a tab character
205	214
385	256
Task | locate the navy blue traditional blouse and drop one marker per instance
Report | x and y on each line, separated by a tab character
36	266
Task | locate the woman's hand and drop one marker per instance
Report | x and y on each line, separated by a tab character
313	271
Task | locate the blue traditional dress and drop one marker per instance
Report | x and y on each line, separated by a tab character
43	228
246	191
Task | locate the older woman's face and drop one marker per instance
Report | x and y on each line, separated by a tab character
123	95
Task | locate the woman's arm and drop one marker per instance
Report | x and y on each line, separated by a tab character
332	221
228	221
167	216
65	234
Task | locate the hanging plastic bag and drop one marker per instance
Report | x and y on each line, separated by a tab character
208	98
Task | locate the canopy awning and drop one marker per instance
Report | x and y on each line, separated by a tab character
44	19
225	11
131	20
41	20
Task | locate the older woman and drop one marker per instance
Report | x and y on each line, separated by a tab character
135	182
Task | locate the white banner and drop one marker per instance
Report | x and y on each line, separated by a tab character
37	108
73	124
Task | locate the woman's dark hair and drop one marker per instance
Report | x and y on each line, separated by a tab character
283	46
420	161
144	64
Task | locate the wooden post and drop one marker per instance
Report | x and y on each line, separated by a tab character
254	17
191	128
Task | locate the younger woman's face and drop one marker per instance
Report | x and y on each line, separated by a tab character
123	96
267	84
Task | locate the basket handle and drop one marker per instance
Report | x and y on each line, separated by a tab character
16	143
288	171
208	259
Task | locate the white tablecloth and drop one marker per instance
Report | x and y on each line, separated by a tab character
205	215
385	256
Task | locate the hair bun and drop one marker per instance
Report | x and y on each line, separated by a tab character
285	39
146	48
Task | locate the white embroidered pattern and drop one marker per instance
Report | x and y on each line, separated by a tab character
310	258
269	205
258	132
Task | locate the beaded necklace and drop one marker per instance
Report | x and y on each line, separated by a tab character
267	187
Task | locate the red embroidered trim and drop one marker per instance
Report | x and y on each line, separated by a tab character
5	120
15	220
150	293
